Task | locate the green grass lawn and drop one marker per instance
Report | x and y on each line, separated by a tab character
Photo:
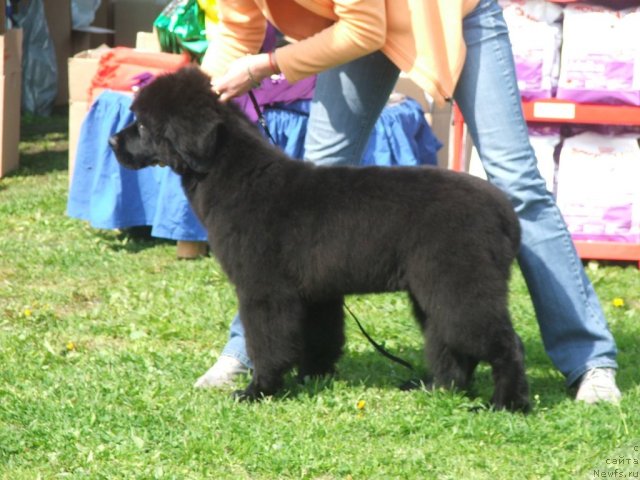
102	335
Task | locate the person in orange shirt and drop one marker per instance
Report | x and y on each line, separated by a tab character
455	50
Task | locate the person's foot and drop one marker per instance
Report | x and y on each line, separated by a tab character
598	385
222	373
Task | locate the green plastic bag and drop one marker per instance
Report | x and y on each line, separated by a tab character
181	28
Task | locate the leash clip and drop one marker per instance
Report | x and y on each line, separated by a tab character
261	119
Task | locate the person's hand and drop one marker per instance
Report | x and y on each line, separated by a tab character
243	75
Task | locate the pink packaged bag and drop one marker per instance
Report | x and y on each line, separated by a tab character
600	55
598	192
536	34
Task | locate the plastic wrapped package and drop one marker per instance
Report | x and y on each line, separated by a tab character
600	55
535	31
181	27
598	187
39	70
83	12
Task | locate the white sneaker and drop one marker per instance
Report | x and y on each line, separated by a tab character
599	385
222	374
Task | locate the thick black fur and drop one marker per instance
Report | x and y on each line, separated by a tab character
295	238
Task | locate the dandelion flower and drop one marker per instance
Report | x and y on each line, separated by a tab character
71	346
27	312
618	302
361	404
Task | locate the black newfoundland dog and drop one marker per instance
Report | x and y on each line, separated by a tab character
294	239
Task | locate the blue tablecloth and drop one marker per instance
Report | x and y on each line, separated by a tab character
112	197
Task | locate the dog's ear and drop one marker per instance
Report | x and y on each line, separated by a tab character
196	142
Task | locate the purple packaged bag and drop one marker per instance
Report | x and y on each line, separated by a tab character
600	55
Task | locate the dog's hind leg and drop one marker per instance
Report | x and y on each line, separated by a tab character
483	329
486	334
449	368
469	323
323	337
511	390
273	332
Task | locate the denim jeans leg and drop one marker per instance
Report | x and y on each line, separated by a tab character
574	330
236	346
346	104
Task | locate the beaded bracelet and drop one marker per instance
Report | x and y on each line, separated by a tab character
272	63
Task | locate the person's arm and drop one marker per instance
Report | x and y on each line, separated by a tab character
240	32
359	29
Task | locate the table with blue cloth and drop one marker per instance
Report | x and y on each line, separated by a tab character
109	196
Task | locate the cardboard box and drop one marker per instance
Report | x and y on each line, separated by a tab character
67	41
441	125
81	68
10	93
148	42
58	16
133	16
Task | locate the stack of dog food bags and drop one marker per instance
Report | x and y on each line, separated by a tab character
598	190
535	30
600	55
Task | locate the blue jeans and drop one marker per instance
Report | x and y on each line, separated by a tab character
348	100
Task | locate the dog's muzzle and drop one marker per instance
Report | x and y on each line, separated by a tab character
115	144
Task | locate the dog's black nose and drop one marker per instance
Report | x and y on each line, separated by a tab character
113	142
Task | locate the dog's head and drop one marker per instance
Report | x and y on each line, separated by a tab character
178	123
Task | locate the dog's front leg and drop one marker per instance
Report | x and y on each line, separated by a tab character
323	337
273	332
259	388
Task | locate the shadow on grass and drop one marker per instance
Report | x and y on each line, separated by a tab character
370	370
132	240
44	144
42	162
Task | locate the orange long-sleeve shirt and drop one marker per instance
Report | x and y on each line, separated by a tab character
422	37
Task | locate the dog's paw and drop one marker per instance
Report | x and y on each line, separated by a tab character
517	405
249	394
417	384
244	396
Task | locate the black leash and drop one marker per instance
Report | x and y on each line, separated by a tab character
376	345
261	119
